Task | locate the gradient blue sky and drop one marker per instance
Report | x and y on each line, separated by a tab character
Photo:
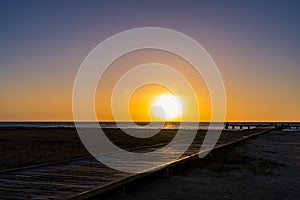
256	45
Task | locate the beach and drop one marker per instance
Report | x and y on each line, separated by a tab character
25	146
54	163
266	167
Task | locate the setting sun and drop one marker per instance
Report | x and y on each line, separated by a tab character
166	107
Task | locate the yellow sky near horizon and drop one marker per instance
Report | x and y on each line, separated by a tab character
243	102
257	55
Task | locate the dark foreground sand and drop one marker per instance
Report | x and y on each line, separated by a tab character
23	147
267	167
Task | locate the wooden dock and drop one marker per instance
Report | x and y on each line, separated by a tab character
245	125
86	177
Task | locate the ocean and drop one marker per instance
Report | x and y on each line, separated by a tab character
143	125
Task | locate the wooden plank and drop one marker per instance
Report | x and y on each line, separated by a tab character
71	175
66	176
43	184
32	193
71	170
13	195
55	179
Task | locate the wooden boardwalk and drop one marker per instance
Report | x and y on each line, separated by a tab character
56	181
85	177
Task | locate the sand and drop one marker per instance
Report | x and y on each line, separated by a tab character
23	147
267	167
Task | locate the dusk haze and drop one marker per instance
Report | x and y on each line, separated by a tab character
254	44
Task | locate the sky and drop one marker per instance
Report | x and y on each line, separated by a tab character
255	44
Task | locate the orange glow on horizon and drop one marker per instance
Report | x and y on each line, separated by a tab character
33	103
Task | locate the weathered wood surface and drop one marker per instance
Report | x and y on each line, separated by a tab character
67	179
56	181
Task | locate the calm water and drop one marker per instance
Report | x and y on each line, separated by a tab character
123	125
138	125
